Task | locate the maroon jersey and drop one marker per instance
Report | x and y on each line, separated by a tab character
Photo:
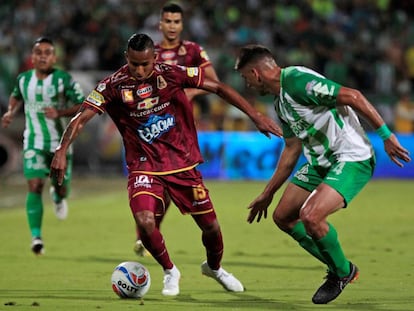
154	117
188	54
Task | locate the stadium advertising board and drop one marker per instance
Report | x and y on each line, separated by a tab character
251	155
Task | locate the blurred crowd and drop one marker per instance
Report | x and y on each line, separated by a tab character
366	44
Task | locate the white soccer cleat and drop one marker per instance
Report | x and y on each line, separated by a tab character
61	208
227	280
171	282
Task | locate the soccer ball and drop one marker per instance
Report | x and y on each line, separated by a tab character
130	279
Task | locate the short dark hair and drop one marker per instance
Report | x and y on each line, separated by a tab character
140	42
43	40
171	8
251	53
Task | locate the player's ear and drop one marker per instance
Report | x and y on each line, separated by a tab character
255	73
54	58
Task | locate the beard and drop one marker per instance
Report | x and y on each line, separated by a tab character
262	90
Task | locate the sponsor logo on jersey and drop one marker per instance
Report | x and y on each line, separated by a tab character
51	91
127	96
192	72
161	83
168	55
155	127
301	174
142	181
299	127
182	50
204	55
147	112
101	87
144	91
147	103
170	62
319	89
309	87
29	154
95	98
332	178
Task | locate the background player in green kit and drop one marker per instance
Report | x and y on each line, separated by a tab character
318	117
49	96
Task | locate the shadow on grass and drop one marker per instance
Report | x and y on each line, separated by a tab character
216	301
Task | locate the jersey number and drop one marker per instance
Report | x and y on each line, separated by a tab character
199	193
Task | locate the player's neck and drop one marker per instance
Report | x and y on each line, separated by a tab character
170	44
43	74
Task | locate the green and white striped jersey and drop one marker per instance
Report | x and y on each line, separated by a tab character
59	91
307	109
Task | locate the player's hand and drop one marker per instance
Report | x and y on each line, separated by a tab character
58	167
395	151
267	125
6	119
51	112
259	208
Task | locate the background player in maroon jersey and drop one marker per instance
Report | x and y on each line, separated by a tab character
147	102
173	50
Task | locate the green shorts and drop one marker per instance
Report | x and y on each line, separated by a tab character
36	164
348	178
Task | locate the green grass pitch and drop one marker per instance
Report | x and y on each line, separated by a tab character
376	232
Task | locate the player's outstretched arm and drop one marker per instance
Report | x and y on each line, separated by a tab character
265	124
14	106
210	73
53	113
76	124
288	159
355	99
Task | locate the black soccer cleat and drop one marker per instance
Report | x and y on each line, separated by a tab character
334	285
37	246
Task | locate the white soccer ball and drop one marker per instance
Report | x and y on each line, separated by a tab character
130	279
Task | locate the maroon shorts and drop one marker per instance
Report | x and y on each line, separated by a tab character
186	189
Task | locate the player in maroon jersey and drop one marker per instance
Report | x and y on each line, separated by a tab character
147	102
173	50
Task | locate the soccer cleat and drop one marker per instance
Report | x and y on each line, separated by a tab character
171	282
37	246
334	285
61	207
140	250
227	280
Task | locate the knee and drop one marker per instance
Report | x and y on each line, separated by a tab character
61	191
311	220
36	185
145	222
280	221
211	228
